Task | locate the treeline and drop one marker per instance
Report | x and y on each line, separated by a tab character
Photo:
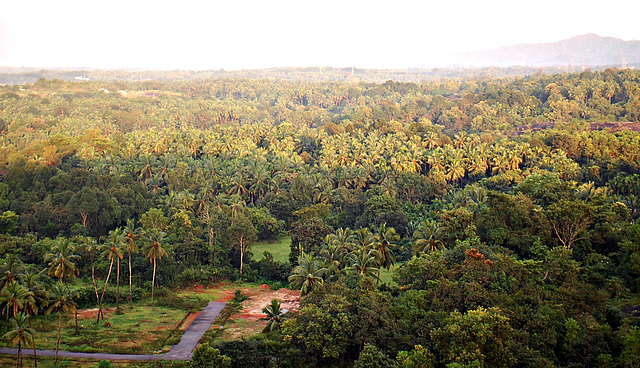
317	74
516	249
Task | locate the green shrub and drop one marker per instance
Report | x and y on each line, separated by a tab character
205	356
238	297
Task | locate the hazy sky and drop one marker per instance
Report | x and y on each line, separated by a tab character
237	34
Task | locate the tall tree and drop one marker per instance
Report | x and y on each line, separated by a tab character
133	236
14	297
60	300
428	237
90	245
243	235
155	240
12	269
21	335
62	259
570	220
113	251
37	299
384	243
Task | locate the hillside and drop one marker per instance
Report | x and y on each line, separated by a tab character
589	50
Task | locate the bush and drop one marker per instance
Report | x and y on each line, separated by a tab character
238	297
372	357
270	269
104	364
169	299
86	295
205	356
202	275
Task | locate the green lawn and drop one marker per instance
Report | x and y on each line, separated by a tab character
385	276
279	249
142	330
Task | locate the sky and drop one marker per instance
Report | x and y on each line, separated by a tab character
247	34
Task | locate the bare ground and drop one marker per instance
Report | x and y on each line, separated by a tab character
246	321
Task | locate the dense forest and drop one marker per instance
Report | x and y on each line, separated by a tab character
510	206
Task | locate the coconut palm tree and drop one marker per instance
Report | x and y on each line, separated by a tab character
384	243
21	335
62	259
342	238
37	299
60	300
132	236
114	250
12	269
275	315
428	237
14	297
91	245
363	238
308	274
155	240
364	262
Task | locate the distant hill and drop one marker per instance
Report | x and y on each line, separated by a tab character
588	50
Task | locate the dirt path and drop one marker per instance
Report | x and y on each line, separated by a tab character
182	351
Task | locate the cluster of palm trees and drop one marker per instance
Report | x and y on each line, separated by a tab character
363	252
126	239
24	294
187	167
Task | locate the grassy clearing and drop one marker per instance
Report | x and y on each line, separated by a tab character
279	249
141	330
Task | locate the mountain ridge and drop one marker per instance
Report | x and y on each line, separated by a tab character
588	50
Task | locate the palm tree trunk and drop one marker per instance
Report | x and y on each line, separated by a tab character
106	282
241	254
35	355
213	252
93	279
118	286
59	330
153	281
130	287
19	354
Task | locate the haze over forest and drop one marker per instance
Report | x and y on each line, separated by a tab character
578	53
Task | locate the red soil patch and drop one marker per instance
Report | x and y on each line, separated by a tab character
93	313
228	295
258	299
187	322
251	309
198	289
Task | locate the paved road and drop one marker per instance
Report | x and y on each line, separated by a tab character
182	351
189	340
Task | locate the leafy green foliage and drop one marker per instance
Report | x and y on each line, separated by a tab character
519	197
207	356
